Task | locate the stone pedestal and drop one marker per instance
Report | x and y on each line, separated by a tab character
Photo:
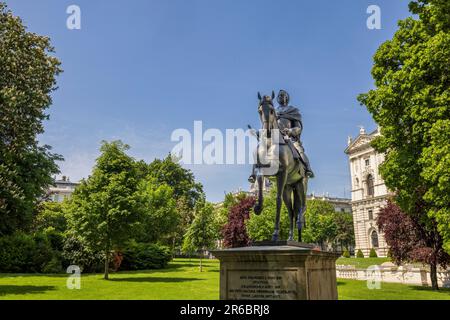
277	271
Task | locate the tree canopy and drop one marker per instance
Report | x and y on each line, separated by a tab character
106	207
410	103
201	233
235	232
28	73
410	241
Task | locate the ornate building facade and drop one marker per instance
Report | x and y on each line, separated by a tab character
369	192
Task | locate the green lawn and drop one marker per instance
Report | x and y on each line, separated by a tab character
362	263
357	290
181	280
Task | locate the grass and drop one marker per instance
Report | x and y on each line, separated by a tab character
357	290
182	280
362	263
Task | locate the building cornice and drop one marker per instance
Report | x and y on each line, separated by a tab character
371	199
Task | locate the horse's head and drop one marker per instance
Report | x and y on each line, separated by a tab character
267	113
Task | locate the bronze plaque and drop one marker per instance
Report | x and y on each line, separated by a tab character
262	284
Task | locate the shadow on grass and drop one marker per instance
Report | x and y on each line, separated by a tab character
154	279
341	283
11	289
175	267
27	275
429	289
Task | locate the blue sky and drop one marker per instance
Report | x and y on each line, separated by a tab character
139	69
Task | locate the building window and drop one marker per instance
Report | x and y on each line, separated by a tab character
370	214
356	183
370	186
374	238
367	162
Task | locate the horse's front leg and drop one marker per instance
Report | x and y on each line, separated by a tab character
281	183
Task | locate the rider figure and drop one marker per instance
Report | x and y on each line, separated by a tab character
291	126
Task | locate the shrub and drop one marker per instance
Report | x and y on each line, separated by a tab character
23	253
54	265
143	256
373	253
75	252
360	254
346	254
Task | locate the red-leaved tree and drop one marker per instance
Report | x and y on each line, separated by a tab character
235	232
410	240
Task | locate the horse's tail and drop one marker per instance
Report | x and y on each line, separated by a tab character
259	204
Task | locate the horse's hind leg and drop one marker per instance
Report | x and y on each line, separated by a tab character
300	206
287	198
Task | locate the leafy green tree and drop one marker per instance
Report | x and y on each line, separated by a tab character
320	222
105	209
201	233
436	172
260	227
50	215
27	77
411	104
182	181
186	191
160	219
345	233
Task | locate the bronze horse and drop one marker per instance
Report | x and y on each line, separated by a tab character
280	165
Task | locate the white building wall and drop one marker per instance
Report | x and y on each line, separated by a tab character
365	161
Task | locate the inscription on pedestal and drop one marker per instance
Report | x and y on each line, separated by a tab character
262	284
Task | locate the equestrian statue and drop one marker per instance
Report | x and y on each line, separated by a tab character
280	156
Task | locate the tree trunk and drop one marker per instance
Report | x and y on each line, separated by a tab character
106	277
433	276
173	248
201	256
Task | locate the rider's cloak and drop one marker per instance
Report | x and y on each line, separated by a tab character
289	113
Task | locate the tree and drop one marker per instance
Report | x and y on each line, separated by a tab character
27	77
105	208
410	241
160	218
235	231
320	222
221	211
200	234
410	104
260	227
436	172
186	191
50	215
182	181
345	233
